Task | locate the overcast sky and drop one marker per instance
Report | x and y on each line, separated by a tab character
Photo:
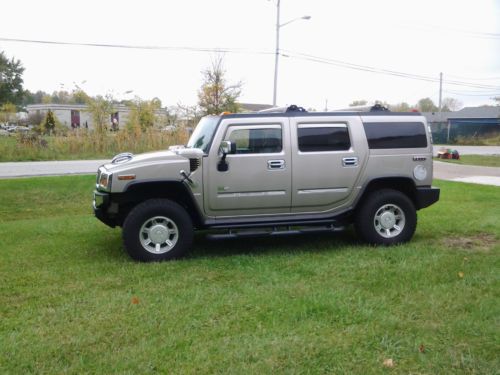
425	37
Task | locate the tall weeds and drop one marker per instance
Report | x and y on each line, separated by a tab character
87	144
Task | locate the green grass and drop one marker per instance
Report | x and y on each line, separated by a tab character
306	304
481	160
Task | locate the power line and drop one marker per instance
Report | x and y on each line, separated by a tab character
372	69
143	47
467	94
474	79
291	54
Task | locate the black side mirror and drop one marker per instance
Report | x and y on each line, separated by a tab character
226	147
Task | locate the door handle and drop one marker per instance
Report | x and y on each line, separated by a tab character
350	161
275	164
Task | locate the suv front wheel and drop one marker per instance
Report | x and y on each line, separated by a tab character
156	230
386	217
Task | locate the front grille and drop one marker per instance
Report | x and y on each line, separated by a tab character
194	164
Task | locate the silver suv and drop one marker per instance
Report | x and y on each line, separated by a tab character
273	173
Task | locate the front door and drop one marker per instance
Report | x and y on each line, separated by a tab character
258	177
75	118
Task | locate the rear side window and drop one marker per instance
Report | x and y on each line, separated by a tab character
323	137
384	135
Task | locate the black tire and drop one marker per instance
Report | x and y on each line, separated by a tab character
386	217
164	224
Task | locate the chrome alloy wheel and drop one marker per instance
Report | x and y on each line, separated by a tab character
159	235
389	220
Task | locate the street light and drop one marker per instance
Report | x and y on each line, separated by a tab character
277	54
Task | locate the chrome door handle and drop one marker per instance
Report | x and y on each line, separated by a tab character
350	161
275	164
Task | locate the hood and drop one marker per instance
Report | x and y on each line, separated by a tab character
160	165
128	160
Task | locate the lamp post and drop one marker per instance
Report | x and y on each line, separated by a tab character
277	53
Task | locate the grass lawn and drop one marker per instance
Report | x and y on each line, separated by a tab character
71	301
482	160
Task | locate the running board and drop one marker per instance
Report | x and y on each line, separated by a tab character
275	231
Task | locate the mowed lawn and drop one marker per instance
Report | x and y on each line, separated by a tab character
71	301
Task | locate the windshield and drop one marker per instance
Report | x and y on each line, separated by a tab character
202	135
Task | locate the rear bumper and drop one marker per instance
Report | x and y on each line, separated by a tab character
425	196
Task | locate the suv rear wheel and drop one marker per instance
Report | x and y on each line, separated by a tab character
156	230
386	217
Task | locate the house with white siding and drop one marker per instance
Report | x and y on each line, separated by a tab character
77	116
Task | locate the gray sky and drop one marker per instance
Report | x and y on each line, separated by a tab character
425	37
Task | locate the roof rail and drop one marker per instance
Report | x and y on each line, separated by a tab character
291	108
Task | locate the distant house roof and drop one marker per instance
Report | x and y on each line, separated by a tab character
55	107
467	112
252	107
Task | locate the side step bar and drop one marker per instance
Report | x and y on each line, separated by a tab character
274	231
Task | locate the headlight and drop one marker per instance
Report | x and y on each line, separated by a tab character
103	180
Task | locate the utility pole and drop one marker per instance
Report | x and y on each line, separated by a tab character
440	107
440	90
277	51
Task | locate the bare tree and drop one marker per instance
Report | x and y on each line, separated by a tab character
215	95
451	104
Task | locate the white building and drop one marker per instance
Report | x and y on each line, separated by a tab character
76	115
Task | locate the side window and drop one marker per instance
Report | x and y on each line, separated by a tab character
323	137
386	135
256	140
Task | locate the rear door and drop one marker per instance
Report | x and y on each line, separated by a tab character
258	180
328	158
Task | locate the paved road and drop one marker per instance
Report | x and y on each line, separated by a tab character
442	170
470	150
467	173
49	168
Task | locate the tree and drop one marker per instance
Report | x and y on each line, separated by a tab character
79	96
356	103
49	124
100	108
451	104
11	80
143	113
7	113
400	107
215	95
427	105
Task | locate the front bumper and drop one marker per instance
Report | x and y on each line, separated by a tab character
425	196
100	204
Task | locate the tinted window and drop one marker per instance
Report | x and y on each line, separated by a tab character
383	135
257	141
323	138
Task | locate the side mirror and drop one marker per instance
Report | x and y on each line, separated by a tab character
227	147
